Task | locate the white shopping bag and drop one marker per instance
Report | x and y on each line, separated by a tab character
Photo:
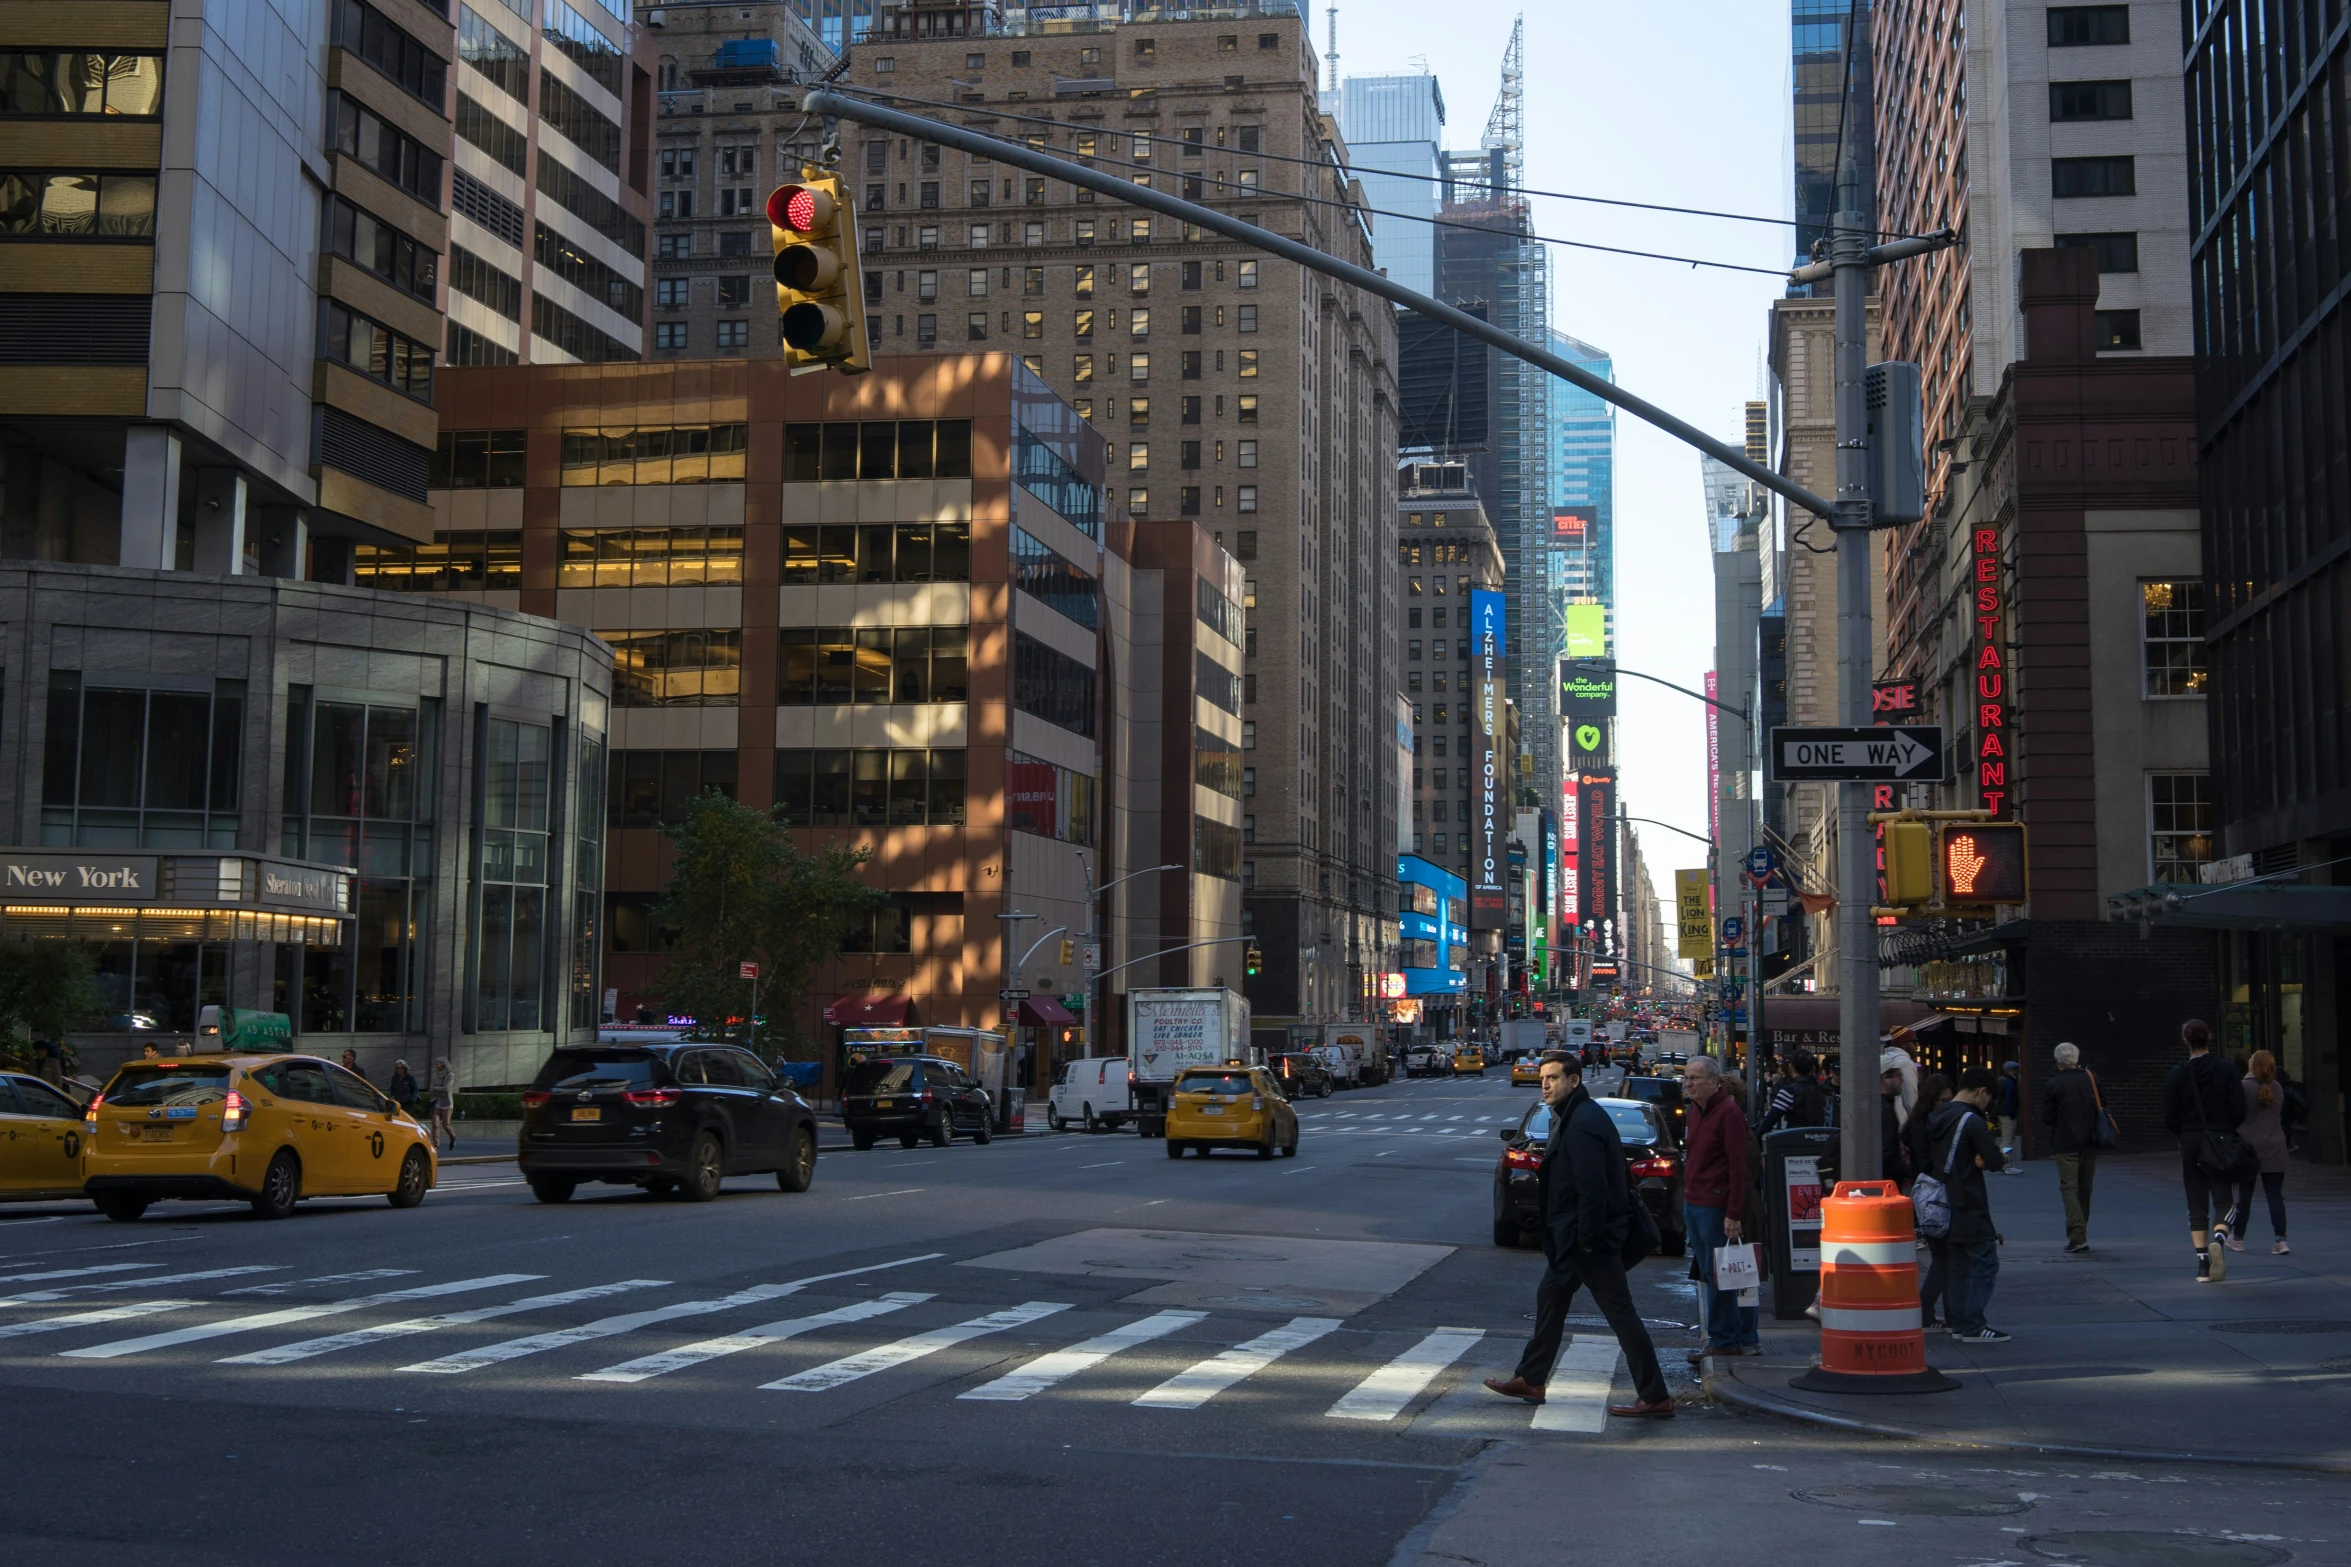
1736	1266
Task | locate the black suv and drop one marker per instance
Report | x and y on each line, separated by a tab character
1300	1075
1653	1163
1661	1091
672	1118
913	1097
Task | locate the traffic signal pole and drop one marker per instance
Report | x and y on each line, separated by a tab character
824	101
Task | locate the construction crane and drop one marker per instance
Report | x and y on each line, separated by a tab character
1506	126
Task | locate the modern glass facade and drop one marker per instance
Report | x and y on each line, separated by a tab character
1582	559
1818	44
1395	127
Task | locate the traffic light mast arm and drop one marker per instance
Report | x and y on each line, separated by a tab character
1218	941
1248	233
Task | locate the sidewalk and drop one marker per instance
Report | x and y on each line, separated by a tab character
2119	1352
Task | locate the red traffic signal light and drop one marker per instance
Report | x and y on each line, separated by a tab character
1984	862
814	232
804	209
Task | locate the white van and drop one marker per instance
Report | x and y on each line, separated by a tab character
1098	1093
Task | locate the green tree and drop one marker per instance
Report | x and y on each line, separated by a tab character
46	991
740	892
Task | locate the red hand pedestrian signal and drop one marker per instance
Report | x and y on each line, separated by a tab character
1984	863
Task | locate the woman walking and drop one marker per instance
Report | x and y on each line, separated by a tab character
442	1087
2264	1131
1933	1090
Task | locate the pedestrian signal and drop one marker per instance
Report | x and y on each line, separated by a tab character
1984	862
813	228
1910	863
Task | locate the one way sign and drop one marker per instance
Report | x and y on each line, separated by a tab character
1878	755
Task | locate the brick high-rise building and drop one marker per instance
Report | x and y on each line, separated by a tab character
1230	387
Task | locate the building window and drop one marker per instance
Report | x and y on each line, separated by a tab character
1216	849
1139	455
1248	274
1049	684
1040	571
2173	637
895	787
2116	252
688	556
459	561
975	327
375	351
1248	408
672	293
129	768
653	454
369	34
351	232
1050	801
478	460
2073	25
734	334
843	552
926	329
875	666
1248	363
736	291
1246	499
669	335
2114	329
1139	231
979	236
2093	177
655	788
1138	367
1188	499
1082	367
2179	820
1138	322
1139	502
1085	231
1032	323
1248	454
2109	100
511	873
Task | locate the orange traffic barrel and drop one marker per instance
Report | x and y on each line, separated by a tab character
1871	1336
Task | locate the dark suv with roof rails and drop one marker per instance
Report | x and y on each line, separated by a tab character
675	1118
911	1098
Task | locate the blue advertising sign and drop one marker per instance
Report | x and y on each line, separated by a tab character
1492	808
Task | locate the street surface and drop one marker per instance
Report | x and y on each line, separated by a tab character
1055	1349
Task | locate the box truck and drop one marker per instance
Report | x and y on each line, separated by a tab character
1170	1028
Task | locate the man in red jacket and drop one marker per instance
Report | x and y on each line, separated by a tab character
1714	1200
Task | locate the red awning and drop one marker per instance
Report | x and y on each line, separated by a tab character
869	1011
1046	1011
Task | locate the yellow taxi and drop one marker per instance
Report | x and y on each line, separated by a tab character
1469	1058
40	1141
1230	1106
1526	1071
268	1130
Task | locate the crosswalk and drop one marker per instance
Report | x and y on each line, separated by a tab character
853	1331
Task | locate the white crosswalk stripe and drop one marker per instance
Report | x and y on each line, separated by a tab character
38	1297
288	1314
76	1273
1576	1397
287	1286
1049	1370
1189	1389
88	1319
629	1322
850	1368
649	1366
376	1333
1383	1394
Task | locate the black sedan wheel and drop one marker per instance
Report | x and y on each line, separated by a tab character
705	1169
944	1132
800	1169
547	1189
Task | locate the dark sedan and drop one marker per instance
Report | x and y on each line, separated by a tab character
1653	1158
913	1097
673	1118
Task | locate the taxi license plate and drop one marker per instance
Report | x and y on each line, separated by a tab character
152	1134
587	1115
1212	1109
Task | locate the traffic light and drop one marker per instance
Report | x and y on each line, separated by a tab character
1069	952
1984	863
813	227
1253	960
1910	863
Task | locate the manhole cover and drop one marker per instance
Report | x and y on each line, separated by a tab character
1914	1501
2284	1325
1234	1256
2122	1548
1263	1302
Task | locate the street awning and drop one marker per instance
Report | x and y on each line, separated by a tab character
1045	1012
869	1011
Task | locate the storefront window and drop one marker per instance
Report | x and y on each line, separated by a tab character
513	874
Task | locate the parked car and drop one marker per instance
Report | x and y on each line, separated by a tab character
675	1118
1663	1092
1300	1075
1098	1093
1653	1159
913	1097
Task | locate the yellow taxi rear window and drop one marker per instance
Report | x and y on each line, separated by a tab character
159	1083
1215	1083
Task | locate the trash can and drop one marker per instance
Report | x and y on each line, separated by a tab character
1799	1169
1016	1110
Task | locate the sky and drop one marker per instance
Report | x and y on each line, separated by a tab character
1686	105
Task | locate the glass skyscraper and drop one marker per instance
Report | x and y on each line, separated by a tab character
1583	489
1818	46
1394	126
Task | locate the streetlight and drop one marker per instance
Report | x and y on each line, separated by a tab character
1100	935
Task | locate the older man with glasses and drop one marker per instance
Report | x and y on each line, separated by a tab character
1714	1202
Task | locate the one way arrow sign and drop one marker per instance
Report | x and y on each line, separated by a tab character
1876	755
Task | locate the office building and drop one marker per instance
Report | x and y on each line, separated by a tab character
905	609
1228	387
2272	434
728	81
1445	550
1395	131
1580	564
1833	105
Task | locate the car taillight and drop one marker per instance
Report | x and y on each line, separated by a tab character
1657	1169
927	1096
90	1111
652	1098
536	1096
1522	1159
232	1112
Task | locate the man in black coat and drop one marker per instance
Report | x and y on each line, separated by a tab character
2203	1094
1587	1214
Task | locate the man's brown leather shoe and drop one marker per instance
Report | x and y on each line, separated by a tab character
1661	1410
1516	1387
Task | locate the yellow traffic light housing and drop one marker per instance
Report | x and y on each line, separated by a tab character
813	227
1069	952
1984	863
1910	864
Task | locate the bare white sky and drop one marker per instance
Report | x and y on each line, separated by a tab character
1684	104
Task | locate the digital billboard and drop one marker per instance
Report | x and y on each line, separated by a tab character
1599	859
1490	795
1587	630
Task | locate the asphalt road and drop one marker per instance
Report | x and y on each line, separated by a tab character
1055	1349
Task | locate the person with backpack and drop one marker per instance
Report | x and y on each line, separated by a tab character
1934	1280
2203	1105
1799	1100
1962	1150
2264	1131
2070	1109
